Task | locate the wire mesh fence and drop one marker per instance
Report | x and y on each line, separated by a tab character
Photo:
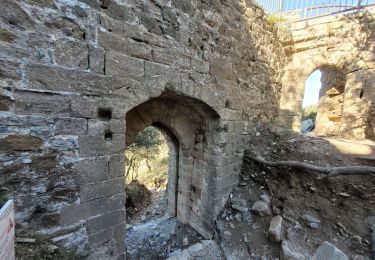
307	9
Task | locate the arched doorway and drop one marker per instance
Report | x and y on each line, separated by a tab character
190	127
151	170
323	100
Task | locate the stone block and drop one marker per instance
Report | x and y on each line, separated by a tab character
170	57
21	143
43	163
96	60
72	54
14	51
97	127
329	251
10	70
117	166
84	107
92	170
261	208
288	252
123	66
92	145
156	77
7	36
59	79
200	65
85	210
221	68
102	189
117	144
117	201
201	225
118	236
113	42
5	103
50	78
156	69
275	228
100	238
27	102
105	221
15	15
70	126
96	145
117	126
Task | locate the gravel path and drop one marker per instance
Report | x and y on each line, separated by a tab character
156	239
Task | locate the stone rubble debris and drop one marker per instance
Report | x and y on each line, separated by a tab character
261	208
266	198
312	221
328	251
240	208
289	253
275	229
185	241
205	249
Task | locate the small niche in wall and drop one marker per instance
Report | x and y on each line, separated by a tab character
361	94
108	136
227	104
104	114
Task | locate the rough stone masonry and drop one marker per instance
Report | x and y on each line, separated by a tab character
79	78
343	48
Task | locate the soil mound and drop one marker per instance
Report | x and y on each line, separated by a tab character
138	197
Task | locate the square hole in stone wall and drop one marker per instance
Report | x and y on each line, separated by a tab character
105	114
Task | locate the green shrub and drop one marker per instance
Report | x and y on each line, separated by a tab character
147	159
309	112
275	18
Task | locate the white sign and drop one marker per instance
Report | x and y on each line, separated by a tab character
7	231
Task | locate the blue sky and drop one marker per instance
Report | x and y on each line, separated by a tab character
312	87
304	6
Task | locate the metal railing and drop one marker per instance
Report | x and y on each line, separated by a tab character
295	10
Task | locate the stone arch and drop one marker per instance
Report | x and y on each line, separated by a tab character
190	126
312	44
294	80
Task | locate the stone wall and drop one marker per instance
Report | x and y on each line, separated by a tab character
345	43
71	70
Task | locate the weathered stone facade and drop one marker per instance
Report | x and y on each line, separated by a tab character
80	78
345	43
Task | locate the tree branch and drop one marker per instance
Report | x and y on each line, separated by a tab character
330	171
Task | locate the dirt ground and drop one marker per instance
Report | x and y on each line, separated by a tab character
157	239
41	250
153	233
143	204
342	204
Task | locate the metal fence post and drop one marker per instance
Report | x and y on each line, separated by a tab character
281	7
359	5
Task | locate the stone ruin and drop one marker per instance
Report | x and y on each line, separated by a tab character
79	78
342	47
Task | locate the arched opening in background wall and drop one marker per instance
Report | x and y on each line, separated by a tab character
310	101
322	106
